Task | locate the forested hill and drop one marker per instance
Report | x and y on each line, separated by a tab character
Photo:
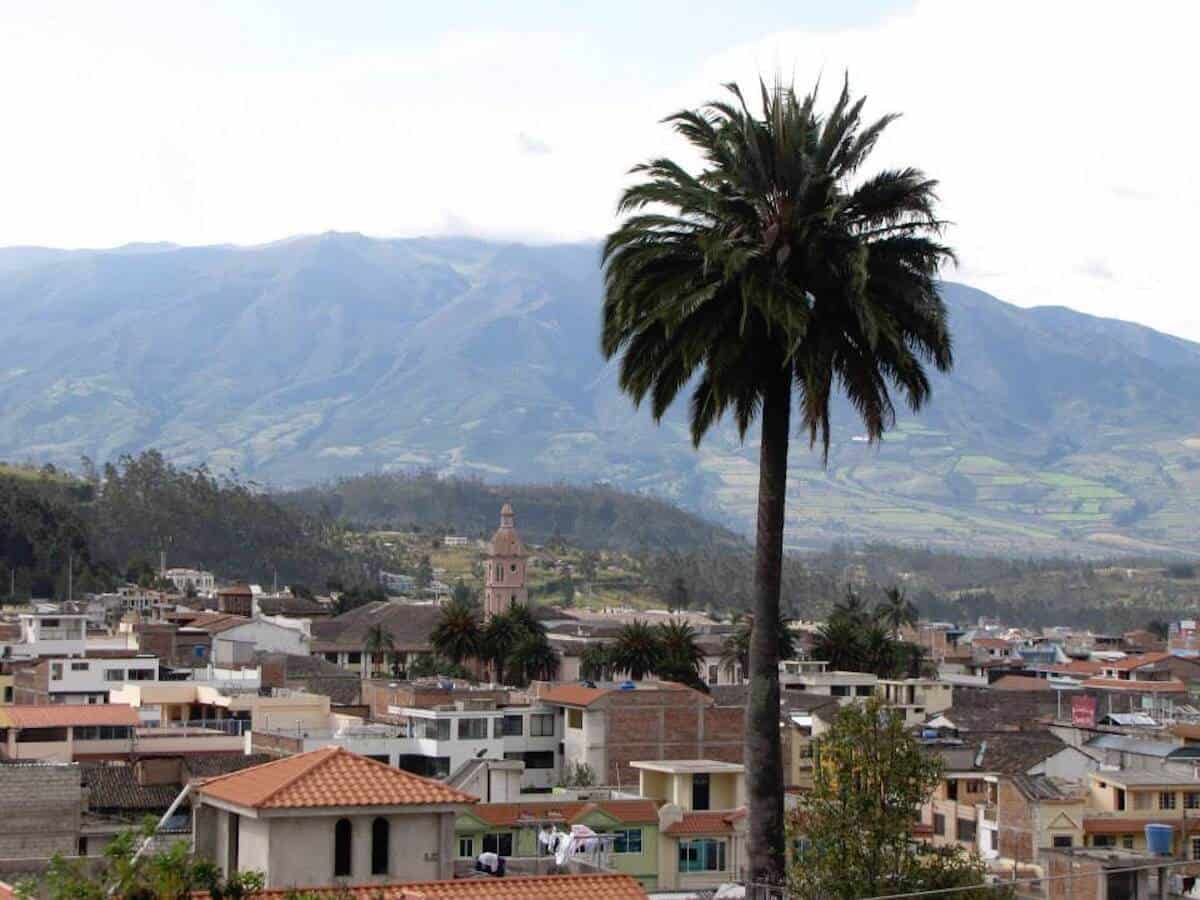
593	518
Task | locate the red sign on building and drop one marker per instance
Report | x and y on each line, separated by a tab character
1083	711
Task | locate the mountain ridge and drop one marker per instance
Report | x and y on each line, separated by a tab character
318	357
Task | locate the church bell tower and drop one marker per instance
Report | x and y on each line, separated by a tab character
504	581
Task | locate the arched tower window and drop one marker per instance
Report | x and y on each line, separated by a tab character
343	833
381	833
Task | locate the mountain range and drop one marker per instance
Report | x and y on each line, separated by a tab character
319	357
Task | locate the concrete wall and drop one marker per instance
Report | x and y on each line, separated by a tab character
40	811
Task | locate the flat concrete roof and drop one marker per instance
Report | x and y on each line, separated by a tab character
690	766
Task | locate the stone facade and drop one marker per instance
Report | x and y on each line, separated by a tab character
41	807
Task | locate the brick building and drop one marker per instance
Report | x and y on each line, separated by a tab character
41	806
608	727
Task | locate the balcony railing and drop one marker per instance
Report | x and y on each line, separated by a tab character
235	727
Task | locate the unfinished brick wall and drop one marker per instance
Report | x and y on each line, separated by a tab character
1087	883
40	810
1014	823
645	725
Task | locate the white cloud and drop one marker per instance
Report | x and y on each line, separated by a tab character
1061	133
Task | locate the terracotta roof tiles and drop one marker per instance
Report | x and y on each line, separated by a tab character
710	822
574	694
1174	686
529	887
1136	662
331	776
63	715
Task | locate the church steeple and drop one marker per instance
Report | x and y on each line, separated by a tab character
504	580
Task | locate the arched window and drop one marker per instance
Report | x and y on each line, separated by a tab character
343	833
381	832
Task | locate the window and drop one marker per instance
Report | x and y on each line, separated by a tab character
1104	840
1191	800
700	791
141	675
939	824
432	729
703	855
713	672
500	843
628	840
541	725
199	651
575	718
101	732
839	690
966	831
466	848
114	674
864	690
56	671
1195	848
472	729
534	759
354	658
1063	840
381	835
513	726
974	786
343	833
1127	841
1166	800
512	567
331	657
800	846
79	667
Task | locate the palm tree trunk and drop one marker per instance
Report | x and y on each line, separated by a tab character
763	755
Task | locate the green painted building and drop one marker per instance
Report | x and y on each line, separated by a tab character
511	830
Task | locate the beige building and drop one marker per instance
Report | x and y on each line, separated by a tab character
701	820
328	817
917	698
186	703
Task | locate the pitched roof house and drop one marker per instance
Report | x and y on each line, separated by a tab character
327	816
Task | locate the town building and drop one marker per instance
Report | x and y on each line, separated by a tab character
196	582
344	640
328	817
702	821
915	698
608	726
236	600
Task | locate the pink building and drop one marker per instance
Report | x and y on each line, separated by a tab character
504	582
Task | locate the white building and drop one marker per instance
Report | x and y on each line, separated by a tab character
203	583
270	634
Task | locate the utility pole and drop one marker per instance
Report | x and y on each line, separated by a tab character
70	577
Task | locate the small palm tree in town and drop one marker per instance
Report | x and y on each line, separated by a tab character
595	662
457	635
776	277
636	649
852	607
377	642
680	655
735	650
897	610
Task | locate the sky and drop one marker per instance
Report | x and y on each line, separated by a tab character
1061	133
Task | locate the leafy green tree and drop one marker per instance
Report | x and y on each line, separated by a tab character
870	778
428	665
424	573
896	610
457	635
568	592
678	596
680	654
637	649
169	874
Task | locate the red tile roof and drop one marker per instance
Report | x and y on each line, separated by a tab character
991	643
712	822
62	715
1174	686
574	694
1074	667
528	887
1136	662
331	776
512	814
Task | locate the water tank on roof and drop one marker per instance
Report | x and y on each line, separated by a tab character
627	686
1159	839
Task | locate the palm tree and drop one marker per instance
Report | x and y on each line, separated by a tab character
456	636
852	608
678	647
637	649
839	643
499	637
735	651
531	658
595	663
879	651
775	274
377	641
896	610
